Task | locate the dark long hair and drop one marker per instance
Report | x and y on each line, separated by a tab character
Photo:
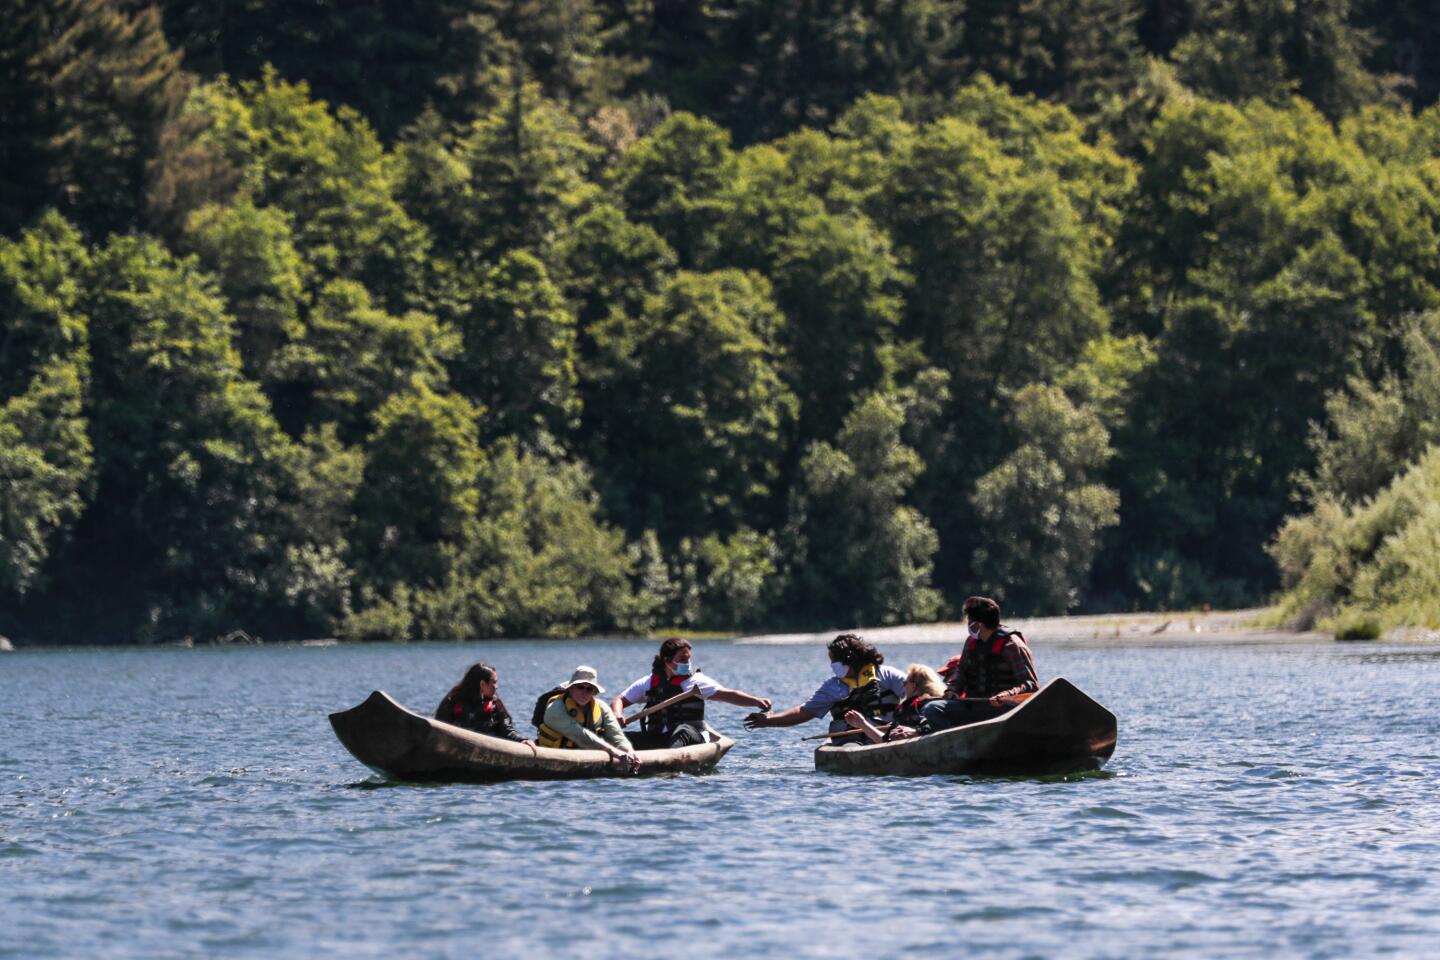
668	650
853	651
468	690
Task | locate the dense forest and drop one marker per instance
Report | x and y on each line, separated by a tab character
464	318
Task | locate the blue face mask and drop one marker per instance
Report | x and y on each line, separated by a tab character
681	669
840	669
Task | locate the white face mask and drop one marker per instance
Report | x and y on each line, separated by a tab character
839	669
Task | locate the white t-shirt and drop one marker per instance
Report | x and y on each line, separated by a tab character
635	693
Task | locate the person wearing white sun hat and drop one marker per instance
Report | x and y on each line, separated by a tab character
577	718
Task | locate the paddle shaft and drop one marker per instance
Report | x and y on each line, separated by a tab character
693	691
845	733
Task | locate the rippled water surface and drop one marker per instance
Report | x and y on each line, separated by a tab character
1275	800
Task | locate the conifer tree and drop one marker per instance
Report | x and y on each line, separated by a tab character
94	95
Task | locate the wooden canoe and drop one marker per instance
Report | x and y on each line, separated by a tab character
402	745
1058	730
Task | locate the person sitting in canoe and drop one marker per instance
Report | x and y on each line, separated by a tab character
474	703
987	678
861	683
576	718
922	685
682	724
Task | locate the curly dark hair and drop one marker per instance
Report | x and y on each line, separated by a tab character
668	650
983	609
853	651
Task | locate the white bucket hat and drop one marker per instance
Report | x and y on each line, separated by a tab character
585	675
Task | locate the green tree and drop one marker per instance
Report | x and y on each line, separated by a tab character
1254	263
326	170
417	504
689	438
1081	53
91	98
189	460
352	356
519	355
771	68
1373	431
836	279
1040	511
1242	49
674	181
510	180
251	251
542	563
856	554
45	452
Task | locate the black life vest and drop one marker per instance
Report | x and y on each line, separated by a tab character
866	695
908	711
691	710
984	670
486	715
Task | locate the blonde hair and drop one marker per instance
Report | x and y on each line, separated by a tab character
927	681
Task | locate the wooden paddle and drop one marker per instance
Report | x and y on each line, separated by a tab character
661	705
845	733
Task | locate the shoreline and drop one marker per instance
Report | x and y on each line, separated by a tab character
1188	627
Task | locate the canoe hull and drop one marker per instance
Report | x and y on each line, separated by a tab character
402	745
1059	730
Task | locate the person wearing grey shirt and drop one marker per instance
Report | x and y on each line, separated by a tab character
861	682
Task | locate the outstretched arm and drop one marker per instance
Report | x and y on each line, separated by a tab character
740	699
785	718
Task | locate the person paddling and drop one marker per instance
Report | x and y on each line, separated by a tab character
990	673
474	704
672	673
576	718
861	683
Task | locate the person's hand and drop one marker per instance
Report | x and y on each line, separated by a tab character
764	704
854	719
1001	702
623	719
755	720
901	733
633	759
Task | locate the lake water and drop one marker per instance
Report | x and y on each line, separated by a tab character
1263	800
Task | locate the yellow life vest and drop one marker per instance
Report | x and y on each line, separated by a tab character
865	695
868	674
550	738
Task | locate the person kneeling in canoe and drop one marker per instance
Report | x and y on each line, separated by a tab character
682	724
922	685
861	683
576	718
992	672
474	704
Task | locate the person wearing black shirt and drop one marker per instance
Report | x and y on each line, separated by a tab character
474	704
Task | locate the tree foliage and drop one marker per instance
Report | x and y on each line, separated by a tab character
478	317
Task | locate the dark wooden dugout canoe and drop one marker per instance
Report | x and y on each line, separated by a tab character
1058	730
402	745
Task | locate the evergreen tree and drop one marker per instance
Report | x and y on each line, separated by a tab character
90	113
856	553
45	452
689	437
1082	53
